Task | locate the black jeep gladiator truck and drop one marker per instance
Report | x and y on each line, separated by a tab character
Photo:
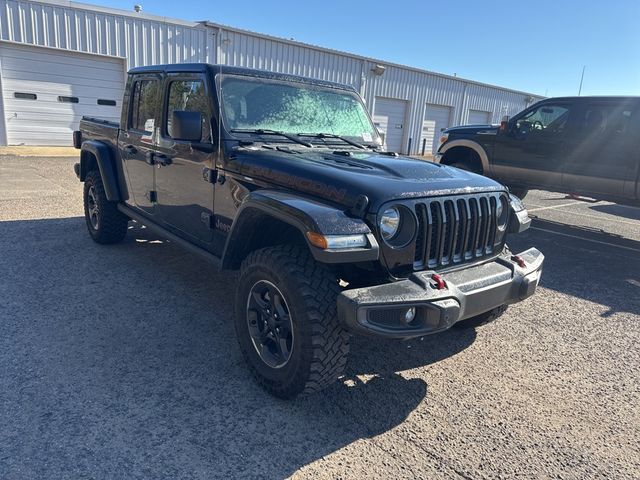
588	146
283	178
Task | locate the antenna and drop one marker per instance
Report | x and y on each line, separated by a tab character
218	83
581	79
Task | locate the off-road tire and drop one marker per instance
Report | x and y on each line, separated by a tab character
481	319
320	346
112	224
519	192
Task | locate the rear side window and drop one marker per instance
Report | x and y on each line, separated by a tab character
606	118
189	95
144	102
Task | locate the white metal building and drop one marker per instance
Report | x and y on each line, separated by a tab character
60	60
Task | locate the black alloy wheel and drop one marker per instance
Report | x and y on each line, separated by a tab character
269	323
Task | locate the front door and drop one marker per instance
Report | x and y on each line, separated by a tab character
531	150
184	169
136	141
606	149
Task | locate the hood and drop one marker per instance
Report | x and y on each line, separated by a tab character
473	129
341	178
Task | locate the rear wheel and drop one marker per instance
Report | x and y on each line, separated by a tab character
106	224
286	321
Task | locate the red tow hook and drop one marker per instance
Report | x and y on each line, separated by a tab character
519	260
440	283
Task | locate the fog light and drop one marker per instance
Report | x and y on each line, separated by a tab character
410	314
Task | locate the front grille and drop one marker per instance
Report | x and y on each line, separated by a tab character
454	230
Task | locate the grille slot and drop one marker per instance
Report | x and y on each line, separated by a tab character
455	230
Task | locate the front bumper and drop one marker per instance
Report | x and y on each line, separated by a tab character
380	310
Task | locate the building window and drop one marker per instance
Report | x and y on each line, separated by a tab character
25	96
64	99
110	103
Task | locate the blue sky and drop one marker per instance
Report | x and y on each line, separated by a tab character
536	46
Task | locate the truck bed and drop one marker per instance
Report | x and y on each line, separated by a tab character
93	128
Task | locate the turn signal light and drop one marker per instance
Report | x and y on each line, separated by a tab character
336	242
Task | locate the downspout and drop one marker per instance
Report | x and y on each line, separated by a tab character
3	123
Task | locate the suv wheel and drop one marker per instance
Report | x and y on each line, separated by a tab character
286	321
106	224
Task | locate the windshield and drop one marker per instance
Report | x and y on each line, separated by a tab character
294	108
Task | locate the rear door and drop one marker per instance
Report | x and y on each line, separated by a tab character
531	151
184	169
137	137
605	151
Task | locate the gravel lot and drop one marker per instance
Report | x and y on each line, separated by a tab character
121	362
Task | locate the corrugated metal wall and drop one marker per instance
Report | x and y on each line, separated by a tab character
146	40
142	41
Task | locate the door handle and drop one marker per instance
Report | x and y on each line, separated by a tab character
161	159
130	149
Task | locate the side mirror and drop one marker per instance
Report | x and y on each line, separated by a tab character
186	126
504	124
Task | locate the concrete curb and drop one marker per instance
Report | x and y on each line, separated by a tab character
28	151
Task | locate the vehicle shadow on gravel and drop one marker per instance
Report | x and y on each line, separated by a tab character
586	263
121	362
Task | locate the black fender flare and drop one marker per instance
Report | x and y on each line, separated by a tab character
106	165
305	215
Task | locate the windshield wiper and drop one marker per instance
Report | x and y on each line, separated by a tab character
331	135
262	131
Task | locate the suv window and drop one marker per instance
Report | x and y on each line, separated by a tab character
546	118
607	118
189	95
143	105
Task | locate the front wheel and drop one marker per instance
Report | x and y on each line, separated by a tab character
519	192
286	321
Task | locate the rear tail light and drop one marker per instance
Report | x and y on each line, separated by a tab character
77	138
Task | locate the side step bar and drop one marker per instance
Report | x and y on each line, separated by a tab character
163	232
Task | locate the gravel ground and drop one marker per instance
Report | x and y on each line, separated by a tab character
121	362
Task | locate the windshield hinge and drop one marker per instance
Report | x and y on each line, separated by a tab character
209	175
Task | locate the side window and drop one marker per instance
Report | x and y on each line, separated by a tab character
144	103
605	118
191	96
546	118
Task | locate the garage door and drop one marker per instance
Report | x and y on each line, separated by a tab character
389	118
436	119
45	92
479	117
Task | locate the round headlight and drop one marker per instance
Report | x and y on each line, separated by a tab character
502	213
389	223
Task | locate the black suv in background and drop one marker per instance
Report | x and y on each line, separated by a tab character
582	145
